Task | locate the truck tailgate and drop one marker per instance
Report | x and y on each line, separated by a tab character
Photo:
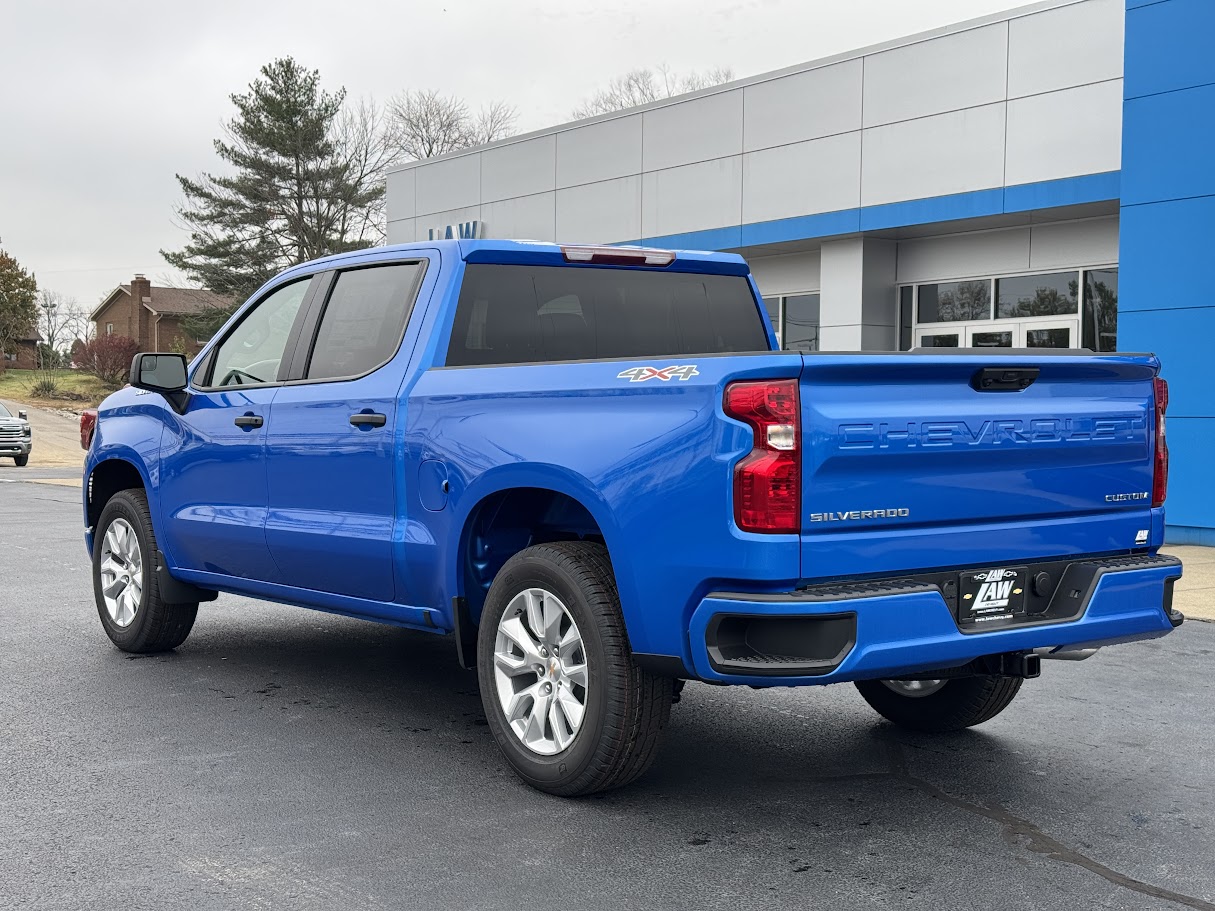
909	462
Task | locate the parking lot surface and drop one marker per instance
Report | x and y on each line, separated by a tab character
285	758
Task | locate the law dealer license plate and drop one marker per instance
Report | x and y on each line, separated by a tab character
987	595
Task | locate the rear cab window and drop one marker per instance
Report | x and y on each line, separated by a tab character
516	314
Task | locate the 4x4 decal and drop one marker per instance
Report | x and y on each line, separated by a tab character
641	374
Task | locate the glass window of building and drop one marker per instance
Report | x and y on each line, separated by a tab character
1053	294
801	323
795	319
772	305
1100	325
939	340
949	302
1001	339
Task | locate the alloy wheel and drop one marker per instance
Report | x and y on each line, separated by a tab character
121	572
540	671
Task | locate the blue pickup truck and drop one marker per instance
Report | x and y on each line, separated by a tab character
592	468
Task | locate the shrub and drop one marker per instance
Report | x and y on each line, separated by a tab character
108	357
44	384
45	388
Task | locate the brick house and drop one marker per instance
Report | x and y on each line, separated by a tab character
152	316
25	354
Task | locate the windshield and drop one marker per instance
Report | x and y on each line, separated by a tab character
4	412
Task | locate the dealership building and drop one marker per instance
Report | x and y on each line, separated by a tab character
1044	177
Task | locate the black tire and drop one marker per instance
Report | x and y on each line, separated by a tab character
21	460
959	703
156	626
626	707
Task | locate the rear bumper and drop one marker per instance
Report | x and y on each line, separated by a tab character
872	630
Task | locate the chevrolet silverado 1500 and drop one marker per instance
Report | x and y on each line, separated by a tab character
591	467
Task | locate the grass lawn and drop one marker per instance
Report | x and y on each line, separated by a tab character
74	388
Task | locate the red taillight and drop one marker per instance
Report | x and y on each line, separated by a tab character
88	423
1160	465
768	482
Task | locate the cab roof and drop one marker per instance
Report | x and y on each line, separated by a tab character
545	253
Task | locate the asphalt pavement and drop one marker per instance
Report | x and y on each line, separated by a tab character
289	759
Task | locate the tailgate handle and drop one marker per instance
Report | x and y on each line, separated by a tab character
1003	379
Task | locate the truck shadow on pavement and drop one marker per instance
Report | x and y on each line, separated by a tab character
739	770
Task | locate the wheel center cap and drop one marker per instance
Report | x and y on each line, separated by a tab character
553	668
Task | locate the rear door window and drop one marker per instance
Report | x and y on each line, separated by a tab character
521	314
363	320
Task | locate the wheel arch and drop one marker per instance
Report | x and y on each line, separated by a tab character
517	509
107	477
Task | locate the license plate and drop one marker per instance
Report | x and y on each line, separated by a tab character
988	595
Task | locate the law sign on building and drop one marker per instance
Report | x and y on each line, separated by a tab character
465	230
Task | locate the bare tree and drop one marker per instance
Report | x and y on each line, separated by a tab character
55	316
425	123
364	149
494	121
79	326
641	86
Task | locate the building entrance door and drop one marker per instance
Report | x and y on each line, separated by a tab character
1037	333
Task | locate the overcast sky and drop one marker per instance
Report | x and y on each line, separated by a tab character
104	102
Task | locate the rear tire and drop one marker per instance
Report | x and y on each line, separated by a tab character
607	713
958	703
21	460
132	612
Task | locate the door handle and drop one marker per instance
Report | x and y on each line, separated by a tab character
363	419
249	420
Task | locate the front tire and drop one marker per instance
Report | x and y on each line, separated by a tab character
937	706
132	612
21	461
571	711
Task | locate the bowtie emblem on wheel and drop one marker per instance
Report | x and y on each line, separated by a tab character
641	374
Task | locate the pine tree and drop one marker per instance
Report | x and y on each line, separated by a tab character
292	193
18	303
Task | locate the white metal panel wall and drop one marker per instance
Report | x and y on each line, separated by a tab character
934	113
451	183
1065	134
599	151
524	217
789	273
518	169
399	195
1072	45
963	255
692	198
930	77
400	231
1045	246
696	130
809	105
822	175
1068	244
600	212
934	156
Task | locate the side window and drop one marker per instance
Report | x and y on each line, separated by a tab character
253	350
364	320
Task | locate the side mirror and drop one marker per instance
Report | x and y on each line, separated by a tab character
163	373
23	415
